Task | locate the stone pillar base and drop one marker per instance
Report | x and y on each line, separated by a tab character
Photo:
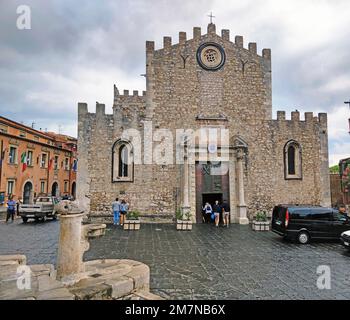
242	220
242	215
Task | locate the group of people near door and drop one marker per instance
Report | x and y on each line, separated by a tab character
120	210
213	213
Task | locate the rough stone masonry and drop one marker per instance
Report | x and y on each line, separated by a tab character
210	83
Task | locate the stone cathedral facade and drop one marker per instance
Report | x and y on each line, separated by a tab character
220	91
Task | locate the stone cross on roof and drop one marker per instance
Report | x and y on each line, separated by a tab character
211	17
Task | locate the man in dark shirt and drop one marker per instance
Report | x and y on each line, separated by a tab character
226	213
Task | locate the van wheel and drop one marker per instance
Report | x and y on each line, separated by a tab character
25	219
303	237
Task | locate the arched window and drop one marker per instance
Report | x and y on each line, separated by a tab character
292	160
122	162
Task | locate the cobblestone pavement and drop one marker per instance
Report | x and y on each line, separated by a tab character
233	263
37	240
205	263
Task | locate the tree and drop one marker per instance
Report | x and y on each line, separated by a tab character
334	169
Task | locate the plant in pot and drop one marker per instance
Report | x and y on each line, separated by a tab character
183	220
132	221
261	222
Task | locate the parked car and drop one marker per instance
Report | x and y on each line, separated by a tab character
44	207
345	239
303	223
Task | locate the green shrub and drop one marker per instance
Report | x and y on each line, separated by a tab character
133	215
181	216
261	216
178	214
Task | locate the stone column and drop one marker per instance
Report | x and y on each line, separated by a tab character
186	189
242	207
70	250
233	200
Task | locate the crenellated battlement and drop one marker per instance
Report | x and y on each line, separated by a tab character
308	117
83	109
132	94
197	35
134	97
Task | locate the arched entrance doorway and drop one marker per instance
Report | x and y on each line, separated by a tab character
54	189
74	190
27	193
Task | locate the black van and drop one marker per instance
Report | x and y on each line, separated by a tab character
303	223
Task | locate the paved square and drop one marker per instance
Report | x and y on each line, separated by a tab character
233	263
205	263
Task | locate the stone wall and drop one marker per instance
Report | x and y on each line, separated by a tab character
336	192
182	95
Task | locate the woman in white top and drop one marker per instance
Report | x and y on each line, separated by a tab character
207	210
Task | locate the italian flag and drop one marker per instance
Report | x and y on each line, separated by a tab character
24	161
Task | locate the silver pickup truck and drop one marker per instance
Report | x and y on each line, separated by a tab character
44	207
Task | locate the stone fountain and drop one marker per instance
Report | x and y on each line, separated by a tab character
75	279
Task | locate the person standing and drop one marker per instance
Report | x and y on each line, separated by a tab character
124	207
226	213
116	211
217	210
207	210
342	210
11	209
19	202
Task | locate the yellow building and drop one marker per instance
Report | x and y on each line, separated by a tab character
34	163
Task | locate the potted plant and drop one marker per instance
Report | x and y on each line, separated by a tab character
183	220
261	222
132	221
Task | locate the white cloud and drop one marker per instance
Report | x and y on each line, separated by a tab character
76	52
336	84
338	128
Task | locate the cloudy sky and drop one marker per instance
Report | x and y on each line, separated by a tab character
76	50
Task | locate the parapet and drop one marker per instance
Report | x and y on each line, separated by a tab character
266	53
239	41
197	32
182	37
135	98
211	30
82	108
308	117
225	34
149	46
100	109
